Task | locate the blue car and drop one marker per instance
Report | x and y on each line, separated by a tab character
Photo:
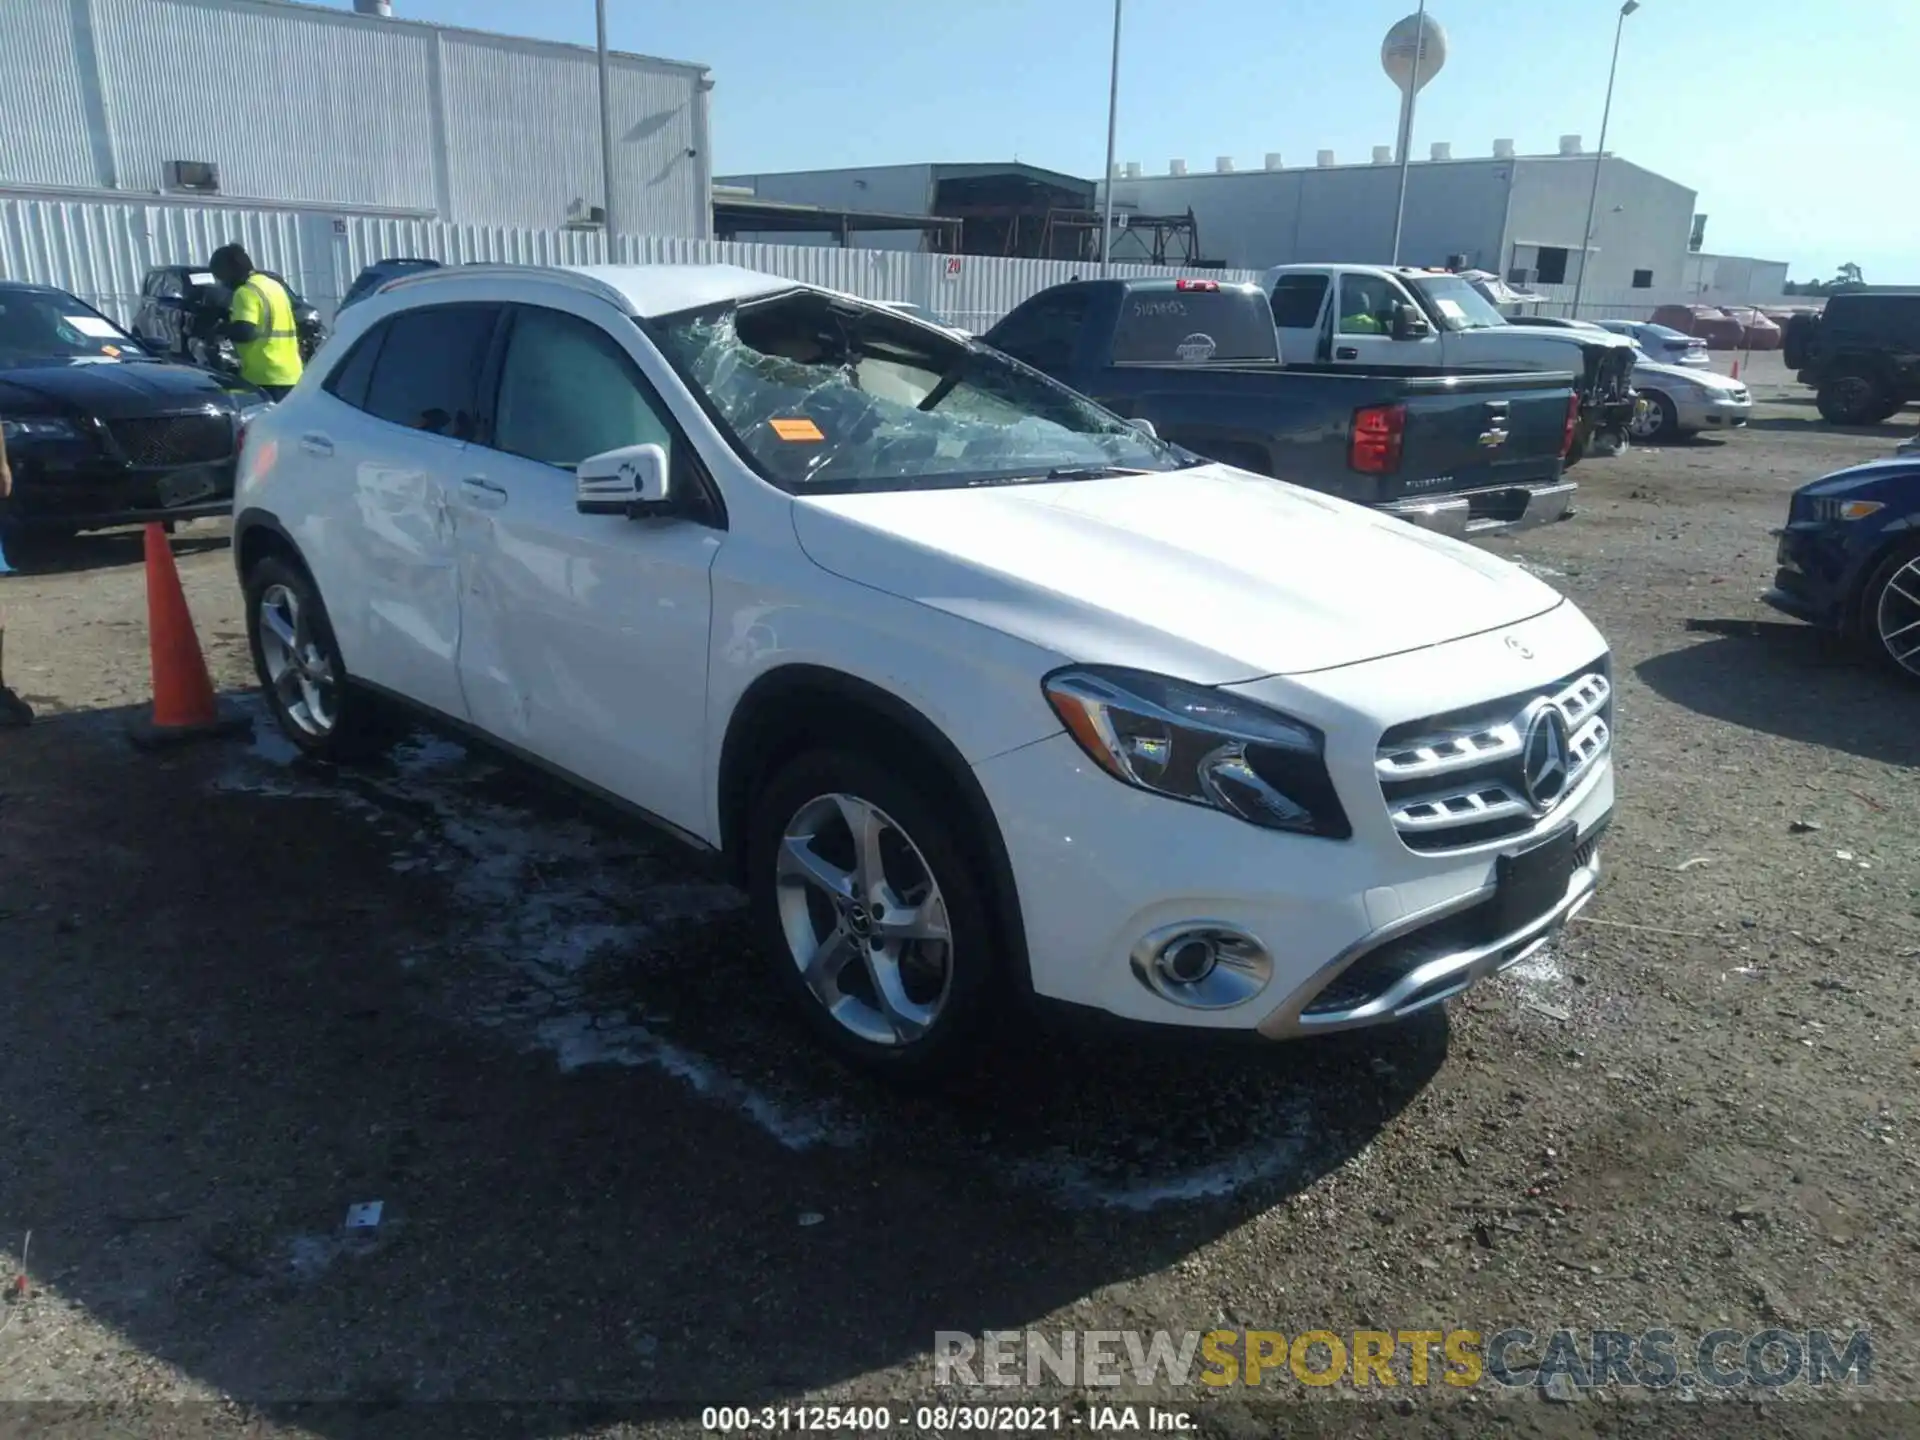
1849	557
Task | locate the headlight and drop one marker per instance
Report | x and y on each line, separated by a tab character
38	429
1829	507
1192	743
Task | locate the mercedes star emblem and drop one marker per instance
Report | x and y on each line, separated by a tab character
1544	761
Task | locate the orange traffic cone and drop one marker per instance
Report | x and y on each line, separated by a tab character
183	703
1736	369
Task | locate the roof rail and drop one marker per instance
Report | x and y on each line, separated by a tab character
555	274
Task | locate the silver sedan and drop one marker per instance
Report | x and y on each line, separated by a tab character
1683	400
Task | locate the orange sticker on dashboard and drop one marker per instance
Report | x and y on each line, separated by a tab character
797	429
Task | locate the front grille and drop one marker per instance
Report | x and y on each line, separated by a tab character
174	439
1455	780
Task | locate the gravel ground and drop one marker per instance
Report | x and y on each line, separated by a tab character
242	995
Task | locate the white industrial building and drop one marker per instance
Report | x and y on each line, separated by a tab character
1521	216
273	104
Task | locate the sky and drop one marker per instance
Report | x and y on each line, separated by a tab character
1793	121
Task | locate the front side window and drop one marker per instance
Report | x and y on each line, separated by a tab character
822	394
428	370
568	391
1366	305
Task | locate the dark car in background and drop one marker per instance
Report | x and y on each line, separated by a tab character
1861	354
100	431
1849	558
180	305
378	274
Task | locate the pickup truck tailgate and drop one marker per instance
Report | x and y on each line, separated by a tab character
1469	441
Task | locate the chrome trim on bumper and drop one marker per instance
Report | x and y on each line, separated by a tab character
1453	514
1435	980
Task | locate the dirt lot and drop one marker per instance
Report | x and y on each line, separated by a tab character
241	996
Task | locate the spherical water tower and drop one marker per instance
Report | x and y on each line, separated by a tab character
1412	54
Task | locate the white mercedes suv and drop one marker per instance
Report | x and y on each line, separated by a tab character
984	693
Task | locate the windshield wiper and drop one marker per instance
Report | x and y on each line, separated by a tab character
1090	472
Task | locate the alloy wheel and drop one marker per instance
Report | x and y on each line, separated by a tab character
864	920
300	673
1898	617
1648	421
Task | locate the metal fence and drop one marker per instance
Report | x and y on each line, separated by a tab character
101	250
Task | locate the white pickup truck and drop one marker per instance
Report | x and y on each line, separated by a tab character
1391	317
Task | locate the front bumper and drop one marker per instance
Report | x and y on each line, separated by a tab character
1814	574
1102	867
1712	412
98	498
1497	510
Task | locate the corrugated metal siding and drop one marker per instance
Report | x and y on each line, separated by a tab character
47	129
293	103
306	107
102	251
523	136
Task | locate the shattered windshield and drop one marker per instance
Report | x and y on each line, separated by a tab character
822	394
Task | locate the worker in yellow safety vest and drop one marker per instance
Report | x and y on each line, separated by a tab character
259	322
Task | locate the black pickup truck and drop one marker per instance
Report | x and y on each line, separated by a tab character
1198	360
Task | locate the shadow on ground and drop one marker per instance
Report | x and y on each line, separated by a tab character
1793	681
1815	425
109	550
248	1014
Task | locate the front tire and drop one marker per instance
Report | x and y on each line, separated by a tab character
1850	400
301	673
871	913
1890	612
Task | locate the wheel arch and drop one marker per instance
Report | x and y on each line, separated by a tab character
257	534
799	707
1903	535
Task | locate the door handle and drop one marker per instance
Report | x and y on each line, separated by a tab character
316	444
482	493
1347	352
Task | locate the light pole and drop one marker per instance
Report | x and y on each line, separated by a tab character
1600	157
606	131
1406	129
1113	124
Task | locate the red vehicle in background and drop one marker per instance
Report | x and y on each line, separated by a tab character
1758	329
1713	325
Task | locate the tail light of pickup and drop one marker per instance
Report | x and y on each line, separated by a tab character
1378	436
1573	422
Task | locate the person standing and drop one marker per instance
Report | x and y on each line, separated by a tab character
14	712
259	323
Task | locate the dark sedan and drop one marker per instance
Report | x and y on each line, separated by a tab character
1849	558
101	432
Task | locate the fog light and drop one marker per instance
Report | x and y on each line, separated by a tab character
1202	964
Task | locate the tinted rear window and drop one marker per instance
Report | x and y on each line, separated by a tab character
429	368
1194	326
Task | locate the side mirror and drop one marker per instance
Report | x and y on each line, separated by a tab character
630	481
1145	427
1409	323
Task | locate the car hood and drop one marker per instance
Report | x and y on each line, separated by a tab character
1898	475
1687	375
1209	574
112	389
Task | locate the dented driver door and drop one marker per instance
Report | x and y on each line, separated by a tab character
583	637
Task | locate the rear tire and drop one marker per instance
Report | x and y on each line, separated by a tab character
301	674
1890	612
1660	422
1850	399
865	920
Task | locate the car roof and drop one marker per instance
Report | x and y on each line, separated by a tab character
641	290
